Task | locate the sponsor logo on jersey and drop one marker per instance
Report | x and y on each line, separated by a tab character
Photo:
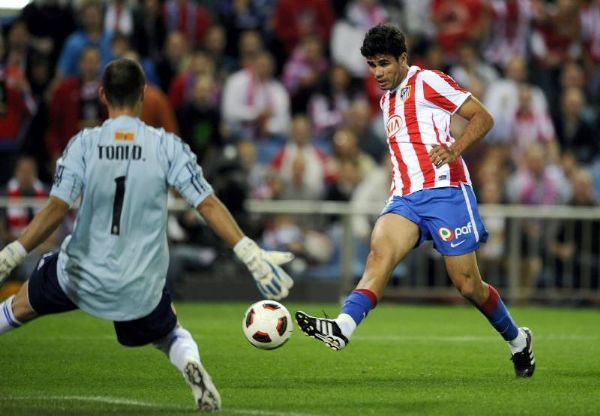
125	136
393	125
405	93
445	234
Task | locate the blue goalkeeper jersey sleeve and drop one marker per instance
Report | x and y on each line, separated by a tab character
114	264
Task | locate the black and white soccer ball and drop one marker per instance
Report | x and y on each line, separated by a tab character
267	324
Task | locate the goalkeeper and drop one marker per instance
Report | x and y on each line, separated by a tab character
114	264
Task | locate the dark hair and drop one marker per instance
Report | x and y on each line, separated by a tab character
383	39
123	82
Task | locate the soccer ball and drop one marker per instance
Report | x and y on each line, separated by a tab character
267	324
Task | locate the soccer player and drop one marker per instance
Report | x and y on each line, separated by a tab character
431	196
114	264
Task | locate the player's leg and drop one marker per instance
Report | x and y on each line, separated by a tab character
40	295
160	328
16	310
182	351
465	276
393	237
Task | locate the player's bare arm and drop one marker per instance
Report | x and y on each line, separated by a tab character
40	228
480	122
220	220
44	223
272	281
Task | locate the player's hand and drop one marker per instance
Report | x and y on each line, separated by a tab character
10	257
272	281
441	154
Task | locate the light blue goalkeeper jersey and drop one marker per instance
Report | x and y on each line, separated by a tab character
114	264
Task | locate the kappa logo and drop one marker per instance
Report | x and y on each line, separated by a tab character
445	234
405	93
393	125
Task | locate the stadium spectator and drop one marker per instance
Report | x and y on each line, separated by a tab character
149	31
304	170
425	180
346	149
24	184
509	31
303	71
120	46
293	20
457	21
215	45
75	103
416	18
91	272
502	99
200	120
556	39
471	72
574	250
17	56
90	34
200	65
359	120
118	18
16	107
328	106
174	59
536	181
262	182
188	17
576	132
255	104
347	34
49	22
590	33
191	248
250	45
240	16
530	126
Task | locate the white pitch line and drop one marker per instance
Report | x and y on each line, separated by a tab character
470	338
139	403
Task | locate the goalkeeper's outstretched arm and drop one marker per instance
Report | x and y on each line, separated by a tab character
40	228
272	281
220	220
44	223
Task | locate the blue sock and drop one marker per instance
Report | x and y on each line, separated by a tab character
495	311
359	303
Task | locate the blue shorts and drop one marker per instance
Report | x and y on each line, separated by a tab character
448	216
47	297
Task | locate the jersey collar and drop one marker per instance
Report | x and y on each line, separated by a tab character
411	71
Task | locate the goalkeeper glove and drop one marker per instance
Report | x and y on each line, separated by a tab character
272	281
10	257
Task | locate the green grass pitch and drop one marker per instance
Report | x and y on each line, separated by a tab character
404	360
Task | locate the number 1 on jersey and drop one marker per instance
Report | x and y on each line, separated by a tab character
115	227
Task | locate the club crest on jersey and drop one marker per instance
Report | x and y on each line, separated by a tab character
405	93
445	234
393	125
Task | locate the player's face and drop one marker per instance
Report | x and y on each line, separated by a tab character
388	70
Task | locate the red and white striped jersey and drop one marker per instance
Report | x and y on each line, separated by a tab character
417	116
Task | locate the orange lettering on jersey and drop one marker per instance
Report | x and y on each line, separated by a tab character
393	125
125	136
405	93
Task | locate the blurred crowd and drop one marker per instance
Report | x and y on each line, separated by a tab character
274	98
